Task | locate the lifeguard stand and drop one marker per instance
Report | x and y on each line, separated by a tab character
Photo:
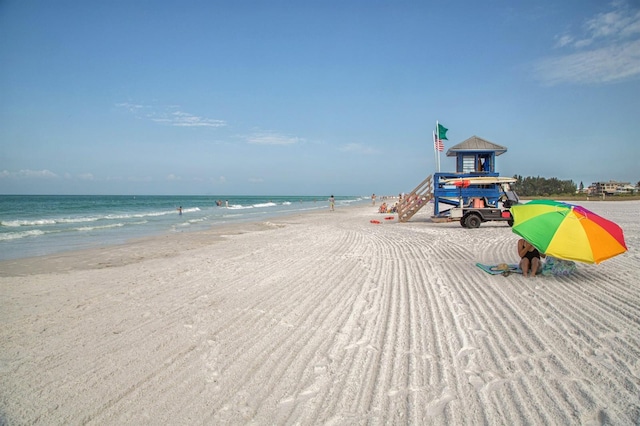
475	158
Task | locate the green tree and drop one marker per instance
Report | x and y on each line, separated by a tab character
542	187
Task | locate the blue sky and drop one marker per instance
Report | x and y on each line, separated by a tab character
310	97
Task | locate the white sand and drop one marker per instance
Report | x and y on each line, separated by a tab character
322	318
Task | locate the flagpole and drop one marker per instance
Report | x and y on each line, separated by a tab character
438	138
435	151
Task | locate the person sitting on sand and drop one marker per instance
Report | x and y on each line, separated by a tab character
383	208
529	258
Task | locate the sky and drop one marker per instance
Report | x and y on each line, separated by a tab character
300	97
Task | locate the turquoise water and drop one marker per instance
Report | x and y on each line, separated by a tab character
47	224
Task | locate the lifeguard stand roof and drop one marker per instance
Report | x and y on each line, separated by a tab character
476	144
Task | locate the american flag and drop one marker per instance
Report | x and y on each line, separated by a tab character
439	144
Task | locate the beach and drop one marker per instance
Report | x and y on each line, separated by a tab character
321	318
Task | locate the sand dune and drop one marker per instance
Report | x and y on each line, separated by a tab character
322	318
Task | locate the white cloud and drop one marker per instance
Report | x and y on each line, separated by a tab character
40	174
617	23
272	139
603	65
29	174
183	119
86	176
170	116
133	108
563	40
256	180
606	51
358	148
171	176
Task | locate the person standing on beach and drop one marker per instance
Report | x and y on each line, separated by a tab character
373	200
332	202
180	210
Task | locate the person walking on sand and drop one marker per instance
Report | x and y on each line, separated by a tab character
332	203
529	258
373	200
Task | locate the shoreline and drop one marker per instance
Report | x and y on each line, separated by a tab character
139	249
121	254
322	318
162	245
41	225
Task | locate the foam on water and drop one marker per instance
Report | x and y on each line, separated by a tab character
38	225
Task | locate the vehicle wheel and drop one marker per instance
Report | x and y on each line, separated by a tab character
473	221
510	222
463	222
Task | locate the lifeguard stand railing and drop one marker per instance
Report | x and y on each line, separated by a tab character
415	200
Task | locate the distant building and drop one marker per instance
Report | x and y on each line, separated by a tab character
611	188
626	189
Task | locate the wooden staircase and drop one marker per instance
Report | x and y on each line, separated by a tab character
415	200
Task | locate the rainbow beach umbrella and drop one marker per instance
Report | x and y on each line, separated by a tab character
567	231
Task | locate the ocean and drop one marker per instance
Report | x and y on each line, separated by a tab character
36	225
